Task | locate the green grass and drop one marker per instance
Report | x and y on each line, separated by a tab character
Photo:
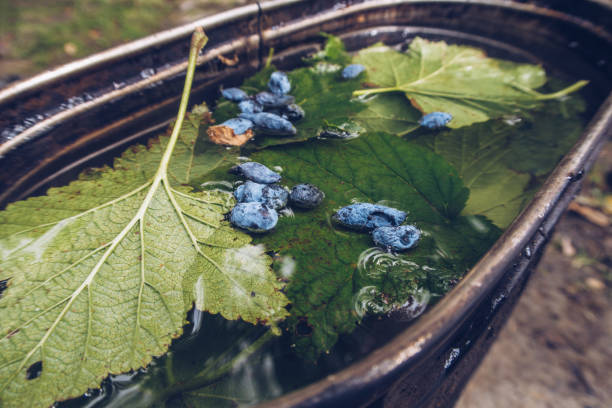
40	34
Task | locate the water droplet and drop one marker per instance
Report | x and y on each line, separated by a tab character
147	72
452	357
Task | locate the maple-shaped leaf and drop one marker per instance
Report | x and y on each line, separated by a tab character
457	79
99	272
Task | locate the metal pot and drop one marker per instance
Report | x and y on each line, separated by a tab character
86	112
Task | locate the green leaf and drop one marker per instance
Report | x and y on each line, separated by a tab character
544	137
477	152
320	260
498	160
460	80
97	269
390	113
333	52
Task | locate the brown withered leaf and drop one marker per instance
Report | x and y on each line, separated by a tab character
224	135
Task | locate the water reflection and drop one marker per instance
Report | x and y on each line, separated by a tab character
391	285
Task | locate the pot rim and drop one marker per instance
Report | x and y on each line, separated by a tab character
413	344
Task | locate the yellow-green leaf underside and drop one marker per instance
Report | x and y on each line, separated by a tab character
460	80
101	273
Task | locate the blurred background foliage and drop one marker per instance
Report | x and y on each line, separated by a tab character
39	34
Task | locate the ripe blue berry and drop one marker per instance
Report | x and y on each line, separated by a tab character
366	216
352	71
290	112
238	125
256	172
272	195
306	196
234	94
270	100
250	106
279	83
270	123
396	238
253	217
435	120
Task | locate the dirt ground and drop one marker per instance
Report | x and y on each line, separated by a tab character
556	349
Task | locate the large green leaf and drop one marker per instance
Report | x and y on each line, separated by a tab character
477	152
97	270
320	260
390	113
502	161
460	80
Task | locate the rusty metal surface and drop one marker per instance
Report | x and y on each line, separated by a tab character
116	115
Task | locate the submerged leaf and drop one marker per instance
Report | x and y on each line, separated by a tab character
501	161
334	52
320	259
460	80
390	113
97	270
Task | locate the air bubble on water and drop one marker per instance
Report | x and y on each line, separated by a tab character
147	72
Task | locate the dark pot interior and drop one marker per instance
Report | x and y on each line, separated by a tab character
57	124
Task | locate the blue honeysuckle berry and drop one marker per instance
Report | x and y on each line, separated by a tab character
250	106
254	217
291	112
234	94
279	83
272	195
396	238
270	100
256	172
435	120
238	125
306	196
366	216
352	71
270	123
